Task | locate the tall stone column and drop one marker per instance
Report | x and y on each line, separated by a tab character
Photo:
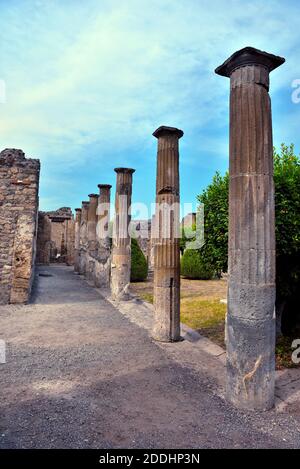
103	216
166	244
250	329
77	239
102	277
91	223
83	238
121	250
91	235
70	240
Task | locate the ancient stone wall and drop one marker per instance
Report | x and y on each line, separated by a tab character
43	253
92	239
55	240
19	184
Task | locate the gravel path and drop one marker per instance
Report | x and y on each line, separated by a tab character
79	374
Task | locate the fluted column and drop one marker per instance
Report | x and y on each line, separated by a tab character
91	223
166	244
250	329
103	216
102	277
91	236
83	238
77	239
121	250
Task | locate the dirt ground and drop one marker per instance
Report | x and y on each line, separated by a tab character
207	289
79	374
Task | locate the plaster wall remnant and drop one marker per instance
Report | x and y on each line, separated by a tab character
166	243
250	325
121	249
102	265
19	183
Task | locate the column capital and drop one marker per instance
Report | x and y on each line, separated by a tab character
249	56
93	196
104	186
77	209
165	130
125	170
85	203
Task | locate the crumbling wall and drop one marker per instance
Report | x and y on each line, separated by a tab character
19	184
43	239
56	236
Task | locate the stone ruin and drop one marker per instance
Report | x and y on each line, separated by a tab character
86	242
250	324
55	237
92	255
19	185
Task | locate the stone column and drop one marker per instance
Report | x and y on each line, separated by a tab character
70	240
250	329
121	250
91	236
166	245
91	223
103	216
83	238
77	239
102	277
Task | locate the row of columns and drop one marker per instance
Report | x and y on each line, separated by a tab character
250	323
94	257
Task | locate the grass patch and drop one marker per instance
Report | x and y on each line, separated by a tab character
207	316
200	314
146	297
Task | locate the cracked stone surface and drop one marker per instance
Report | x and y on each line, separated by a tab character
81	374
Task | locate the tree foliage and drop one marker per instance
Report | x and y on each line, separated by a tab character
139	267
194	267
287	218
215	200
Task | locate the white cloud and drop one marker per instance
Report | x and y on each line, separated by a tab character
107	73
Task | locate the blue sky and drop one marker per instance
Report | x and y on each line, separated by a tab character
88	82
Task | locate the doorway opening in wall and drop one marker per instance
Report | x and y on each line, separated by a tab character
55	237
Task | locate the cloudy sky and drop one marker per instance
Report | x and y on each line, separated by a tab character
88	82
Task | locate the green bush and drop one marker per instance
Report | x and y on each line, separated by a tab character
287	218
139	267
194	267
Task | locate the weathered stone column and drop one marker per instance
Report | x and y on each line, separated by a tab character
121	250
166	245
91	223
83	238
91	235
77	239
250	329
102	274
103	216
70	240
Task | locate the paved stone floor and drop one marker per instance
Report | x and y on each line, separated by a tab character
81	374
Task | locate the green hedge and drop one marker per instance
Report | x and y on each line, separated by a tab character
139	267
193	266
